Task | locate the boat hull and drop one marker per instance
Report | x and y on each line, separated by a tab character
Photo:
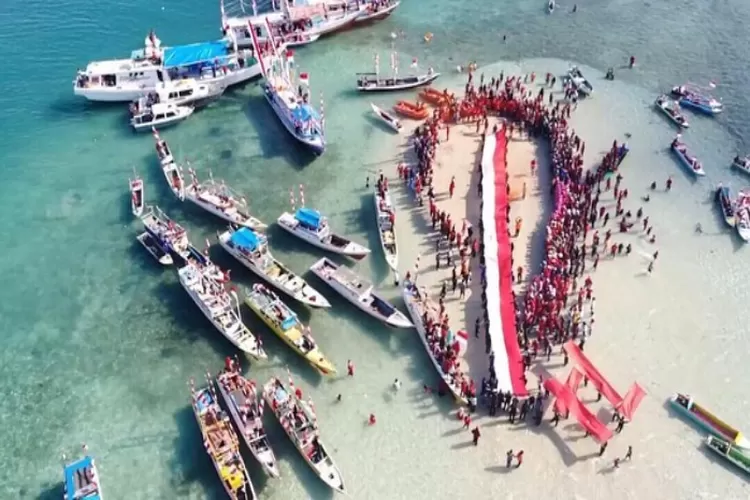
250	223
729	452
397	88
353	250
315	146
391	258
686	163
724	199
368	17
710	424
389	120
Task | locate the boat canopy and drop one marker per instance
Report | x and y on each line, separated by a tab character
288	322
309	217
304	113
72	486
246	238
196	53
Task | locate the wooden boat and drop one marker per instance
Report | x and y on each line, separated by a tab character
391	121
693	165
738	456
157	252
742	216
371	12
218	199
359	292
172	171
166	233
410	110
742	163
251	249
159	115
298	420
221	444
284	322
386	214
706	420
434	97
241	398
724	198
419	307
671	110
222	309
310	226
136	195
81	480
372	82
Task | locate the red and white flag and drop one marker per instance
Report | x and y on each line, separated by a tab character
304	78
290	56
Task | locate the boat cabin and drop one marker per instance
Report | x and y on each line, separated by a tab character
248	241
119	73
158	113
311	220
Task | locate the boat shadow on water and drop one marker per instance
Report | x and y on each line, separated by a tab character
380	268
52	491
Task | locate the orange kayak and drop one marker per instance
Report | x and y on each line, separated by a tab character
411	110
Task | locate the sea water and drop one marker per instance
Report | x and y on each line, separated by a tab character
100	342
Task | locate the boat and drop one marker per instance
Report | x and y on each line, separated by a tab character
420	306
386	215
222	308
738	456
376	11
697	98
172	172
155	249
706	420
671	110
166	234
680	149
311	226
434	96
742	216
742	163
359	292
240	396
218	199
218	63
410	110
391	121
221	444
374	82
582	85
81	480
251	250
136	195
724	198
284	322
551	6
299	421
159	115
188	91
290	100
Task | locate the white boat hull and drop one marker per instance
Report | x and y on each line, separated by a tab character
390	121
391	258
250	223
368	16
352	249
184	113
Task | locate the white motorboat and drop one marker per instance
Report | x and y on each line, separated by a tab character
420	306
136	195
391	121
241	398
359	292
218	199
672	111
251	249
153	247
159	115
166	234
386	215
742	216
551	6
310	226
299	421
222	308
188	91
690	162
582	85
375	11
172	171
742	163
122	80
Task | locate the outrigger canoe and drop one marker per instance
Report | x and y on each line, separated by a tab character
731	453
707	421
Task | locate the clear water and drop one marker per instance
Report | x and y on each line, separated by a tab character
99	342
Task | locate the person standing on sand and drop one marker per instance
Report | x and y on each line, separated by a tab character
350	368
519	459
603	448
452	186
509	458
629	454
475	435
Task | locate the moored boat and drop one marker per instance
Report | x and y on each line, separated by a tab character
671	110
221	444
738	456
551	6
391	121
359	292
434	96
299	421
445	359
136	195
158	115
184	92
386	215
251	250
222	308
693	165
742	216
153	247
410	110
166	234
582	85
724	198
218	199
311	226
246	408
377	10
742	163
284	322
697	98
706	420
172	172
375	82
81	480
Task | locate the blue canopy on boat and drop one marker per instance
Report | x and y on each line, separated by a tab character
246	238
309	217
70	473
304	113
196	53
288	323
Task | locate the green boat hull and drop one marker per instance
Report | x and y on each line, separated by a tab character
738	456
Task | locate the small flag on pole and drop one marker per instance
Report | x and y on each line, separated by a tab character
290	56
304	78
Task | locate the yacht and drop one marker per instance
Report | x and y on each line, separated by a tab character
158	115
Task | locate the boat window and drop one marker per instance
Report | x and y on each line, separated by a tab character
109	80
172	95
159	75
159	117
186	93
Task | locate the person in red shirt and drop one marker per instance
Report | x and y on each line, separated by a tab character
519	459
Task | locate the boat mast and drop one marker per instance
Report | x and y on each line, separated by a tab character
256	48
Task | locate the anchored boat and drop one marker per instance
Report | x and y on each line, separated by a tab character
81	480
222	308
707	420
376	11
391	121
551	6
742	216
153	247
310	226
187	91
221	444
742	163
136	195
298	420
158	115
374	82
167	234
172	172
410	110
738	456
680	149
218	199
697	98
582	85
724	198
359	292
284	322
671	110
251	249
386	214
241	398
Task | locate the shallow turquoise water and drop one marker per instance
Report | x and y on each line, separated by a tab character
99	343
